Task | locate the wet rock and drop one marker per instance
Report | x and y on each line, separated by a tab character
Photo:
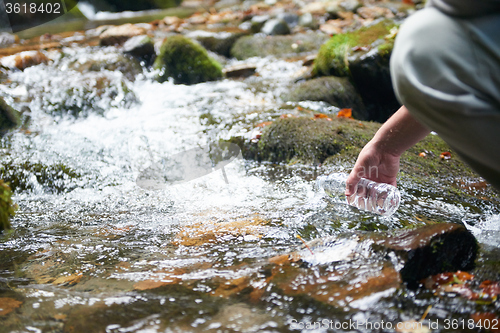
7	207
279	46
120	34
337	91
239	71
186	62
32	176
220	42
291	19
127	65
9	117
257	22
306	139
350	5
275	27
24	60
307	20
141	47
433	249
363	56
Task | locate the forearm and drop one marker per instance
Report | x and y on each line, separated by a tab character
399	133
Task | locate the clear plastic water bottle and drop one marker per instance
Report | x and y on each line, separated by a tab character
378	198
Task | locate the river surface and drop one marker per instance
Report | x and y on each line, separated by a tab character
105	255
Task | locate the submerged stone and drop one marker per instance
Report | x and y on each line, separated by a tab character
186	62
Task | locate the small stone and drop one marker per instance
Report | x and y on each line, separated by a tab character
120	34
275	27
7	39
307	20
257	22
350	5
239	71
9	117
141	47
291	19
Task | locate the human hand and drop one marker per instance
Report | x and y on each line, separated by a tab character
373	163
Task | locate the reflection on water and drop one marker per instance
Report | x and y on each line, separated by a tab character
112	256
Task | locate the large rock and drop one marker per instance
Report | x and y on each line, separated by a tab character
363	55
9	117
127	65
279	46
436	248
186	62
306	139
7	207
337	91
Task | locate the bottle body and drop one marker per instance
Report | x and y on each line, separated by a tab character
378	198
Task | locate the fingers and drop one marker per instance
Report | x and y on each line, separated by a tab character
351	182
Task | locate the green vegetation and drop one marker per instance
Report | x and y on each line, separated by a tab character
53	178
186	62
7	207
333	55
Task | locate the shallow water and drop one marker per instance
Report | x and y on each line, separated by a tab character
110	256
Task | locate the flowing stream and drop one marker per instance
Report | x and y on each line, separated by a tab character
105	255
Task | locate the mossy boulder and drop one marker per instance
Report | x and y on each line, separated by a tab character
9	117
363	56
337	91
54	178
279	46
186	62
7	207
308	140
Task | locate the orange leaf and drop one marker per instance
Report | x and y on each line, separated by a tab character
422	154
445	155
464	276
322	116
408	2
345	113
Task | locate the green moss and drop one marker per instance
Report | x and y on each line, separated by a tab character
7	207
333	55
186	62
53	178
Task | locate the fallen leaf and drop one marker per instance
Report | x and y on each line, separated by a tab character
322	116
60	316
422	154
7	305
345	113
445	155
